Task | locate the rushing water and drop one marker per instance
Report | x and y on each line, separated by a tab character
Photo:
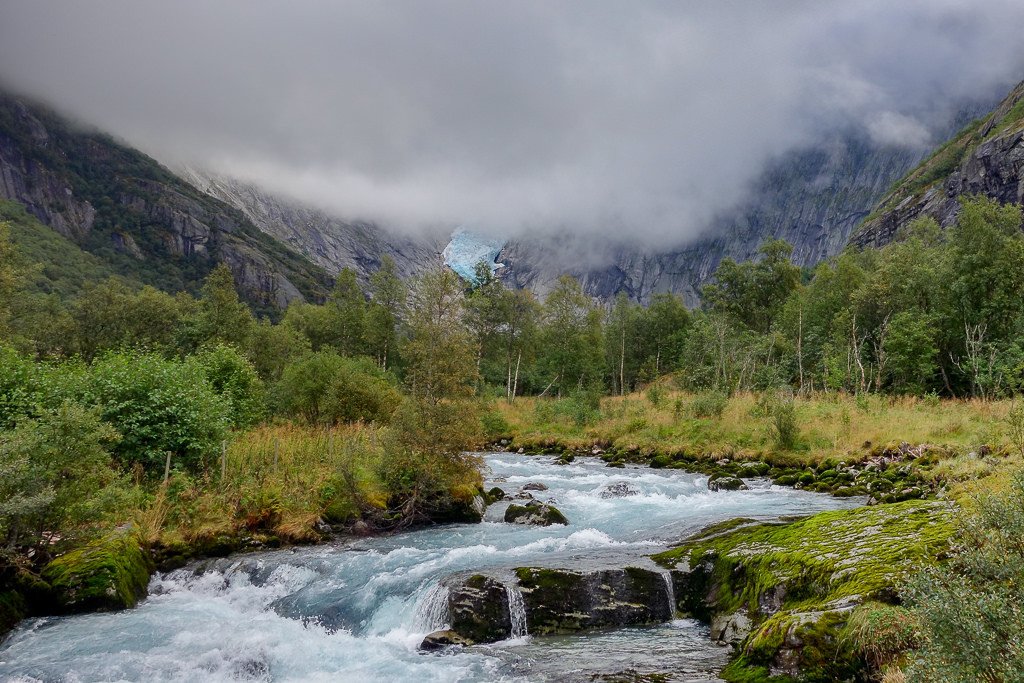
357	611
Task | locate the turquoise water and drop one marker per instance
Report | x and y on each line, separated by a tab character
356	611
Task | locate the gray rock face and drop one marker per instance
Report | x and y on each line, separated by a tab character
101	195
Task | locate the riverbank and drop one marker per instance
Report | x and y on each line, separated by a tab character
927	447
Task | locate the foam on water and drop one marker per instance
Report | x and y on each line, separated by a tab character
358	611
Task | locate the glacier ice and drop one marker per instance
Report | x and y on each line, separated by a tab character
468	248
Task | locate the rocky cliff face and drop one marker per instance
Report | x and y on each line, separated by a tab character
328	241
985	158
124	207
811	198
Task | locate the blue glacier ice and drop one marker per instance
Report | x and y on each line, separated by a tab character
468	248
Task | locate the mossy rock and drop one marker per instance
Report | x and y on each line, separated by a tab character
796	581
536	513
108	574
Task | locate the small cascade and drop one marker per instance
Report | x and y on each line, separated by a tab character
670	588
432	610
517	610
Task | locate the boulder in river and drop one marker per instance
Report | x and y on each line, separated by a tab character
535	486
478	607
619	489
111	573
442	640
566	601
536	513
725	482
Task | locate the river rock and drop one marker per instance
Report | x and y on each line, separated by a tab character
442	640
534	512
478	608
535	486
619	489
725	482
111	573
567	601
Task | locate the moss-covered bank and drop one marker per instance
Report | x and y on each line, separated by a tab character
108	574
782	593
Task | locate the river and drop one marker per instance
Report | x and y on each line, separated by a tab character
357	610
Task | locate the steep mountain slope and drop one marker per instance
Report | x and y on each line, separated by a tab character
134	215
326	240
984	158
811	198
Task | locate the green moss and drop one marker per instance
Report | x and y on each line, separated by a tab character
823	558
108	574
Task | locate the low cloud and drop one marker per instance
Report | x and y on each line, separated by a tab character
636	121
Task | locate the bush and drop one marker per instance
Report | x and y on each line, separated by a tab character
327	388
235	379
158	406
56	476
495	426
785	429
968	608
711	404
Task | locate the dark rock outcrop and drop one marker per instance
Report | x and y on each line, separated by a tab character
443	640
534	512
986	158
725	482
619	489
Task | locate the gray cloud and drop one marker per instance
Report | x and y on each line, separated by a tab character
625	119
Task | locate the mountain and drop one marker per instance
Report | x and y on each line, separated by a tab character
985	158
813	198
136	217
328	241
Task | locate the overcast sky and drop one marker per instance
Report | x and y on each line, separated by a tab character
621	118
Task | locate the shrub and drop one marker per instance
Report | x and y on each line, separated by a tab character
235	379
329	389
158	406
968	608
495	425
711	404
656	394
56	476
785	429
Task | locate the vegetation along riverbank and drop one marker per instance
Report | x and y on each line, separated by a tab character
140	429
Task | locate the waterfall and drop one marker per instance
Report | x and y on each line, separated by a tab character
517	610
671	591
432	610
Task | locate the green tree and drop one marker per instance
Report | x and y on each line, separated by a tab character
273	347
235	380
386	312
221	315
158	406
440	354
572	347
348	306
909	352
754	292
327	388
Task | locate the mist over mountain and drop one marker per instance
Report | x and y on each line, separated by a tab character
642	124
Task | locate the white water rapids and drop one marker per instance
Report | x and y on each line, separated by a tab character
356	611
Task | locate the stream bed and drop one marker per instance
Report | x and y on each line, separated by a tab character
357	610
